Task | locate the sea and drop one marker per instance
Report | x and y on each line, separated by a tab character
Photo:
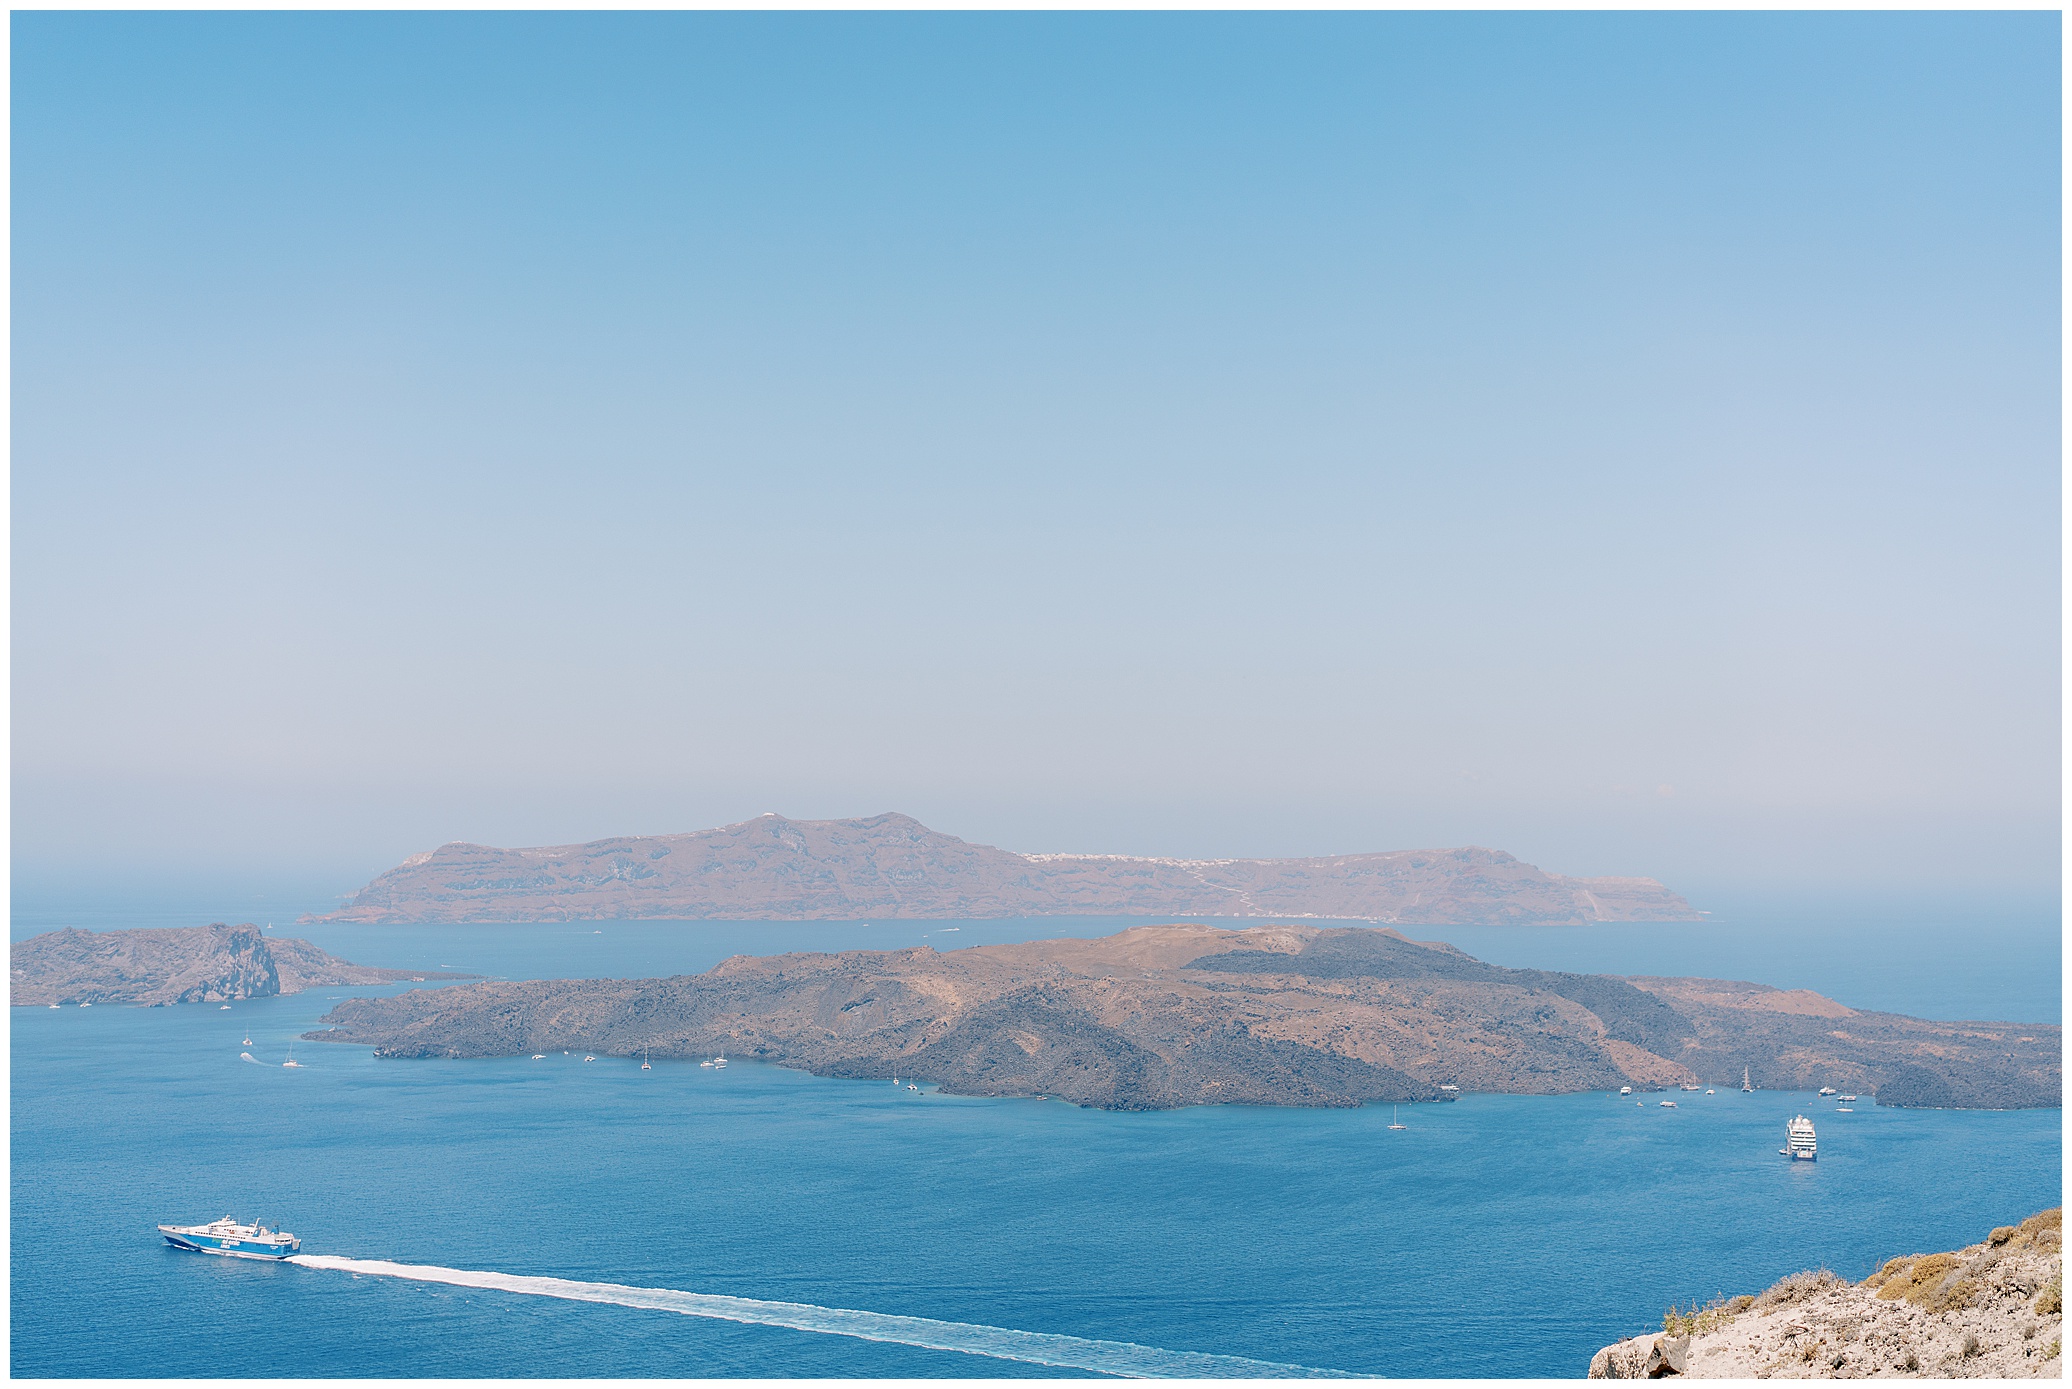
571	1217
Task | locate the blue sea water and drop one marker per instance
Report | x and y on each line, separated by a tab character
1495	1236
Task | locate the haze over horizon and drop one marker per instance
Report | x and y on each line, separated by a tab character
1627	441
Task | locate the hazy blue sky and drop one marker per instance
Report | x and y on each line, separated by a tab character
1627	440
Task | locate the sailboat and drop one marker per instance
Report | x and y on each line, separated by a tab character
644	1060
1746	1088
720	1061
1392	1119
291	1062
248	1041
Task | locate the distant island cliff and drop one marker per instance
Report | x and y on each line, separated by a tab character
1159	1017
193	964
891	866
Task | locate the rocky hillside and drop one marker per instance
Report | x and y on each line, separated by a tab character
891	866
1162	1016
198	964
1990	1311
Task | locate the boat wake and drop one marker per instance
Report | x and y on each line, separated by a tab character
247	1056
998	1342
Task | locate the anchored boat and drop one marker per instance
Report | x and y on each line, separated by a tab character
229	1238
1799	1144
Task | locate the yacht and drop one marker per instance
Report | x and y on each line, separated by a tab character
1746	1088
227	1237
1798	1141
719	1062
1688	1089
1846	1099
1669	1104
1826	1090
539	1056
291	1063
1625	1089
1394	1122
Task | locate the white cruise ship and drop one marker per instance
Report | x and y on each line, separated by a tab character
1798	1142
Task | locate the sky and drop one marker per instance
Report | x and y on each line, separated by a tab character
1630	441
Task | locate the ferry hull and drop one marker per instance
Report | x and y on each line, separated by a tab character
230	1248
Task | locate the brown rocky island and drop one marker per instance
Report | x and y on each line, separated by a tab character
895	867
193	964
1159	1017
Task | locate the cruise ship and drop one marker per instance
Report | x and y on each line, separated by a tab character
1798	1141
226	1236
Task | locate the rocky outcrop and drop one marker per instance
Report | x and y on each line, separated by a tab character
1163	1016
1993	1310
198	964
892	866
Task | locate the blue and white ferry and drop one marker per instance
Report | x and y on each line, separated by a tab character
226	1236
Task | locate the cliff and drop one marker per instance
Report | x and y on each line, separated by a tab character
1993	1310
198	964
1163	1016
891	866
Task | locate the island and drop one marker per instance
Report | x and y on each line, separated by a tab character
892	866
1158	1017
194	964
1993	1310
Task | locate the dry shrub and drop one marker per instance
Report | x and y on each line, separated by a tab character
1920	1279
2001	1234
1910	1361
1951	1294
1740	1304
1796	1288
1970	1346
2052	1353
2051	1300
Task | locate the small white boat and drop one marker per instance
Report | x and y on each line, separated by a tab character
1844	1109
1669	1104
1846	1099
589	1058
1688	1089
1827	1090
86	1005
53	1005
915	1088
291	1063
224	1008
1708	1092
644	1060
539	1056
719	1062
1746	1088
706	1064
1394	1123
1625	1089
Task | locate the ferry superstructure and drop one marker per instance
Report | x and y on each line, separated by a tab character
227	1237
1799	1143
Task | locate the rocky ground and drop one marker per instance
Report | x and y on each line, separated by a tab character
1158	1017
1989	1311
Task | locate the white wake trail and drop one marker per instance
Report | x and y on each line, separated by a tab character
999	1342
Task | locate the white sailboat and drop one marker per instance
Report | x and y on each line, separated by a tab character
291	1063
1394	1123
644	1060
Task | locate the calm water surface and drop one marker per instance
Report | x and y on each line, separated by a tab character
1496	1236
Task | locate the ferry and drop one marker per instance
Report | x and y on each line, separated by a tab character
229	1238
1799	1144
